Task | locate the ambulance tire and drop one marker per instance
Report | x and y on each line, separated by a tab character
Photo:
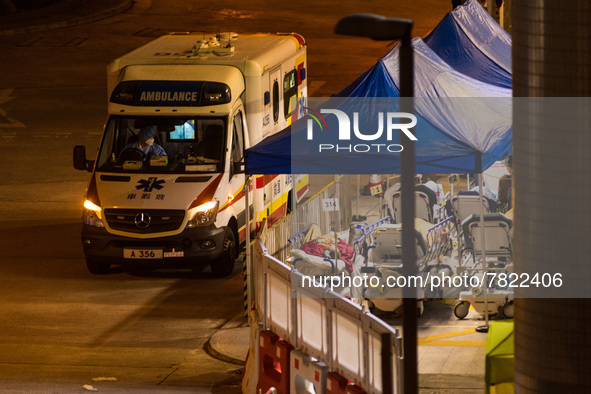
225	264
97	267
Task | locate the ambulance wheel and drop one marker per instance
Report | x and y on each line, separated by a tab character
97	267
225	264
461	310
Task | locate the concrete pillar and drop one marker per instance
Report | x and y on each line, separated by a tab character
552	191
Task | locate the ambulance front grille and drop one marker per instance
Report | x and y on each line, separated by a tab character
144	221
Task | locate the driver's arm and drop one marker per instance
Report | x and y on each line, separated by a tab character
158	150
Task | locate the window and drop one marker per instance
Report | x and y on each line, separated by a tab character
193	144
237	139
290	93
185	131
275	101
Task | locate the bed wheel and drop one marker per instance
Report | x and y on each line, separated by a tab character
461	310
508	310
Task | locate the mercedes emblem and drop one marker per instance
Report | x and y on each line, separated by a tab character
142	220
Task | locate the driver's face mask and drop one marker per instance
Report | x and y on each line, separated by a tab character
149	141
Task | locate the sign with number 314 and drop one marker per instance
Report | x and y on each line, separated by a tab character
330	204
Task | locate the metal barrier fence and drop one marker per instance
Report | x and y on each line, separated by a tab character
438	238
312	211
276	238
322	324
332	329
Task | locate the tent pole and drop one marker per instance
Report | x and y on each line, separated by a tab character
358	193
249	279
483	255
384	202
337	183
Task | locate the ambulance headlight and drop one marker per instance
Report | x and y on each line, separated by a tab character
203	215
92	214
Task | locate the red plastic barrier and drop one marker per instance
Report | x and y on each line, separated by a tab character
336	384
273	363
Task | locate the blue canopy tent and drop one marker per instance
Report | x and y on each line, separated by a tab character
472	42
463	125
270	156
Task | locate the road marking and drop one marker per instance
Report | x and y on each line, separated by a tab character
151	32
44	41
434	340
50	134
5	120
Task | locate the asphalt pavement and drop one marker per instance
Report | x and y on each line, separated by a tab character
231	342
61	14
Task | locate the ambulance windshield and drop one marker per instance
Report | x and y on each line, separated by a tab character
163	145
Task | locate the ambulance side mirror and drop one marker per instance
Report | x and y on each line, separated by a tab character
237	167
80	161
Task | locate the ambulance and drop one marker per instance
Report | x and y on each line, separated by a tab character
206	98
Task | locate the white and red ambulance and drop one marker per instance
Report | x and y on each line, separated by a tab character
207	99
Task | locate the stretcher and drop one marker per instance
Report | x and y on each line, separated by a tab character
384	261
498	259
424	203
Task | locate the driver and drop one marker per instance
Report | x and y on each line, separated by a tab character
146	144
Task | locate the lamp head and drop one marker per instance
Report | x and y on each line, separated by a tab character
376	27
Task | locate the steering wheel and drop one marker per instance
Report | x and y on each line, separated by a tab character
131	153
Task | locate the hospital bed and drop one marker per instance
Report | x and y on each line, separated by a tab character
498	259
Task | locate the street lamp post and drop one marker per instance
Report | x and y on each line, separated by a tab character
381	28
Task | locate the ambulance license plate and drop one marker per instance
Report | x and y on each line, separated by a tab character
142	253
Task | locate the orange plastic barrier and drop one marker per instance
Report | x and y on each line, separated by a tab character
273	363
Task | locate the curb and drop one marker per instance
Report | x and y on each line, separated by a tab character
223	337
68	21
209	349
